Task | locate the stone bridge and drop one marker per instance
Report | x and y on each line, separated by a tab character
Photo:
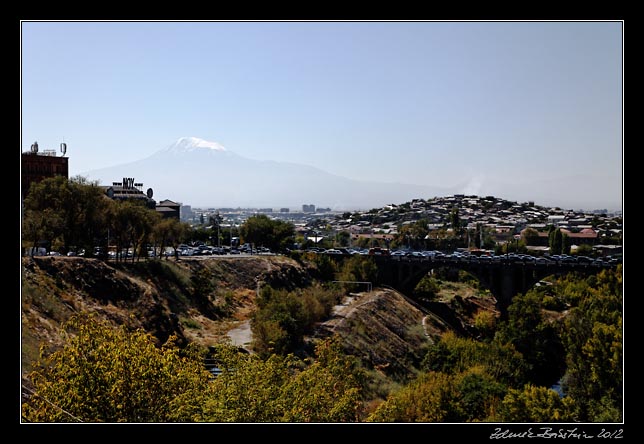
505	277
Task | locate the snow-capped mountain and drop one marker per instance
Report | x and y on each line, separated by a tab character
189	144
200	173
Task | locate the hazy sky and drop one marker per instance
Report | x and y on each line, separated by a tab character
432	103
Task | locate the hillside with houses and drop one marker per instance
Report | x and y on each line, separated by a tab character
462	221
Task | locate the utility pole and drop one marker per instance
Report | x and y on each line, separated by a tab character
218	223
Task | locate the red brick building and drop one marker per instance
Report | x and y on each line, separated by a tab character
36	166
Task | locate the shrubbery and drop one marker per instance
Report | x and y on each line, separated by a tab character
108	374
283	318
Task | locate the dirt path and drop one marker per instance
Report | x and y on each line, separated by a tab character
241	336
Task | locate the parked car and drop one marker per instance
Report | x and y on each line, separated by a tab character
378	251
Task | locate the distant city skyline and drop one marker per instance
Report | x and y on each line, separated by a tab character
480	106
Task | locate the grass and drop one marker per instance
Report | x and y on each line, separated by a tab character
190	323
45	299
450	289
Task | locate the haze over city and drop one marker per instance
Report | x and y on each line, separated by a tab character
520	110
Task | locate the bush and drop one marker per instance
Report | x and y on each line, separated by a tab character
485	323
283	318
360	269
427	288
553	303
108	374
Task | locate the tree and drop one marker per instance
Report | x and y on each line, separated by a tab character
593	343
537	340
109	374
282	318
471	395
455	355
584	250
131	225
536	404
216	221
454	220
358	268
169	232
202	284
555	239
485	323
40	226
412	235
427	288
327	388
261	230
426	399
530	236
77	206
325	266
333	385
343	239
565	244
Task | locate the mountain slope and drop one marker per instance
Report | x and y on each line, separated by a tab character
205	174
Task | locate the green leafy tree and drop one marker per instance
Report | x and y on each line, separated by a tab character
343	239
454	219
262	231
109	374
453	354
282	318
215	222
478	395
38	226
426	399
555	241
536	404
537	340
412	235
486	324
358	268
74	210
471	395
284	389
249	389
325	266
530	236
334	384
427	288
169	233
202	283
131	226
565	244
593	342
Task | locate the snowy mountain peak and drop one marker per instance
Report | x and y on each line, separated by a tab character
187	144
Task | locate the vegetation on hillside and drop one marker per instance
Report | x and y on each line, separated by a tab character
282	317
510	377
109	374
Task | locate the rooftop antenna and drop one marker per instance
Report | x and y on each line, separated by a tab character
63	147
34	147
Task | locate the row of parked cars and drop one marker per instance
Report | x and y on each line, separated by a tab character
458	256
209	250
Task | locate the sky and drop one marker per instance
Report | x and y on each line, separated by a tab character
471	104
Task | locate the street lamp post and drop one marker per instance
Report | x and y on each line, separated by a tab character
218	223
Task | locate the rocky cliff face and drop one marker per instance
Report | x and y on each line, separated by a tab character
383	328
157	296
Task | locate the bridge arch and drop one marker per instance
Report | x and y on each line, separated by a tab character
504	279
